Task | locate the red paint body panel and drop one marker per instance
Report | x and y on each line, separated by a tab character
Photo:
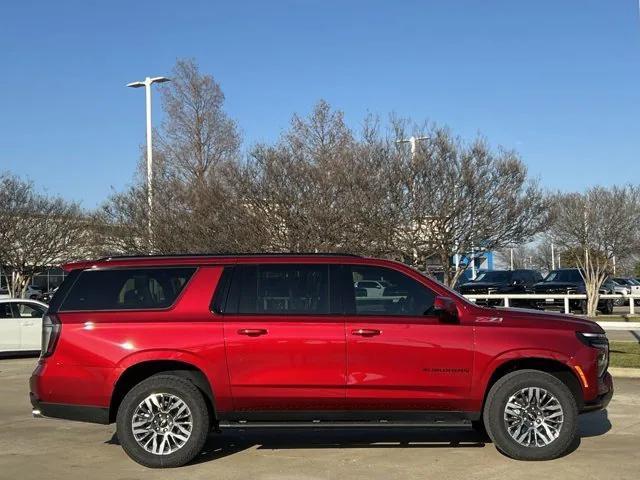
413	364
298	364
308	362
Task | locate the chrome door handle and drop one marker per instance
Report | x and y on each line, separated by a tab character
253	332
366	332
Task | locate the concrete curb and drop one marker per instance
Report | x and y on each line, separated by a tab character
624	372
625	326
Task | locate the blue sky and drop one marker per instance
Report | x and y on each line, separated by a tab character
557	80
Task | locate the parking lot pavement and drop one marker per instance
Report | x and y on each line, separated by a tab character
56	449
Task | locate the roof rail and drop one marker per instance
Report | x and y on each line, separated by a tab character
266	254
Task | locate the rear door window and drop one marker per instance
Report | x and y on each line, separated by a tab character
127	289
280	289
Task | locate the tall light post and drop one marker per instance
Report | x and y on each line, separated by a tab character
147	86
413	141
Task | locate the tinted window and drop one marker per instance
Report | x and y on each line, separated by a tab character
28	310
402	295
564	276
279	289
5	310
127	289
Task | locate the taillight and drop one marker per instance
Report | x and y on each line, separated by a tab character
50	333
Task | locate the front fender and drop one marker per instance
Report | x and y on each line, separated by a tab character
489	366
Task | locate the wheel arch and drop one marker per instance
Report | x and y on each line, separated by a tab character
549	364
137	372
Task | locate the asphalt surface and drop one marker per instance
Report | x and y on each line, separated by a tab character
56	449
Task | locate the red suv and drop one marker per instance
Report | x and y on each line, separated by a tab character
171	348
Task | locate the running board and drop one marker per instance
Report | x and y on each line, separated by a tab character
345	424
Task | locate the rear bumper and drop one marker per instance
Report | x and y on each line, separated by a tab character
67	411
79	413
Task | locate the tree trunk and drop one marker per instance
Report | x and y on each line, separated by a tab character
593	297
18	284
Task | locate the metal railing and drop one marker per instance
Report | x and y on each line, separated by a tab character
567	297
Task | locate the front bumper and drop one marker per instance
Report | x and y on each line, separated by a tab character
605	393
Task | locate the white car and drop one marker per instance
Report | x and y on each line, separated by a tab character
21	325
630	283
32	292
374	288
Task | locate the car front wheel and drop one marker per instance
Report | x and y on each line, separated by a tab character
163	422
531	415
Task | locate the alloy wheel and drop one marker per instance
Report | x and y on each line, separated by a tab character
162	423
533	417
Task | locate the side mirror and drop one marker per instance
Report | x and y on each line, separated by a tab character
446	308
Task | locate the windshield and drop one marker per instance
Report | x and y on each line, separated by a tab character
494	276
564	276
621	281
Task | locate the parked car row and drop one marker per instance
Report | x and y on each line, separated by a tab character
557	282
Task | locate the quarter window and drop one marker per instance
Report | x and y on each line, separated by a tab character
127	289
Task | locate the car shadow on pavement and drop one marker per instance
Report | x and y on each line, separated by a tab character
234	441
231	442
594	424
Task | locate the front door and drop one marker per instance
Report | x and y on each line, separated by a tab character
285	350
9	329
400	354
29	316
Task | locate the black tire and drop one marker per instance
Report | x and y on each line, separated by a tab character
607	308
494	412
583	307
178	387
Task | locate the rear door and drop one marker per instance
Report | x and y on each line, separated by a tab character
400	355
29	316
9	329
285	349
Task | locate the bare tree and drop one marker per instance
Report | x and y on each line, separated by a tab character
197	154
536	255
318	188
197	134
455	199
594	227
37	231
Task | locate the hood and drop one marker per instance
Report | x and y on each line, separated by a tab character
482	285
557	285
539	319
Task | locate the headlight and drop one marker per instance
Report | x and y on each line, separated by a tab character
600	342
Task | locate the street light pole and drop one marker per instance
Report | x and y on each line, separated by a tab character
413	141
147	86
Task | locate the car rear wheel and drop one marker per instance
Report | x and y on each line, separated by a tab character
163	422
531	415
